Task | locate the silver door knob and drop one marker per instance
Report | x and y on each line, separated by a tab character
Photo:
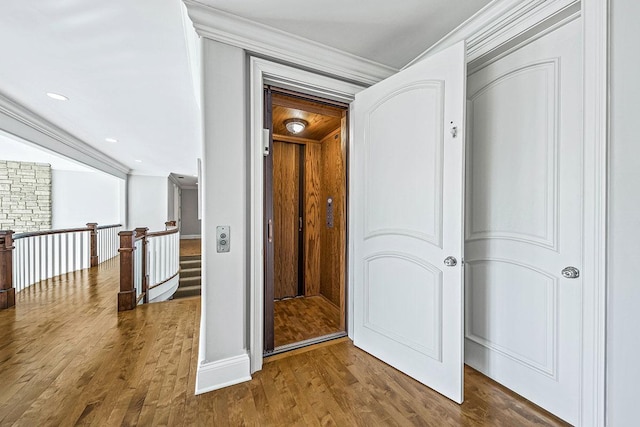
570	273
450	261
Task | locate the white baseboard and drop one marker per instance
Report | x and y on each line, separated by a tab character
190	236
222	373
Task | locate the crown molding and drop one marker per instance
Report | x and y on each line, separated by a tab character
270	42
24	123
498	26
173	178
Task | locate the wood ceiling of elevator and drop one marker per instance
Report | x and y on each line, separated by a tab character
322	119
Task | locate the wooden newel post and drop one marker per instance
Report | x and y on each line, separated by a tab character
127	295
93	243
141	233
7	292
169	224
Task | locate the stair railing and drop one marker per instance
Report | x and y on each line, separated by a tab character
28	258
108	241
149	265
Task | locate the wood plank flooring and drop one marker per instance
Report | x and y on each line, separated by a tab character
299	319
68	358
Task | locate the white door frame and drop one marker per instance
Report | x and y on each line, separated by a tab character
266	72
595	19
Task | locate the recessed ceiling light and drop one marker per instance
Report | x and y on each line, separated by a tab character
138	161
57	96
111	140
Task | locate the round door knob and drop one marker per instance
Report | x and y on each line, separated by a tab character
570	273
450	261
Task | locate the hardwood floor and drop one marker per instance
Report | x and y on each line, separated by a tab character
67	357
190	247
299	319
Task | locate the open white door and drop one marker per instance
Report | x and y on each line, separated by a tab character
408	168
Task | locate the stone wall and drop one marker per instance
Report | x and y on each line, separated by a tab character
25	196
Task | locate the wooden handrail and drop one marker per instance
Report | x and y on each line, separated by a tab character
102	227
48	232
163	233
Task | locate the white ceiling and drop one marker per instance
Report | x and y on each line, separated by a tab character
391	32
122	63
126	68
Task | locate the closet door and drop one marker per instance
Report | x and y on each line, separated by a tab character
407	206
524	221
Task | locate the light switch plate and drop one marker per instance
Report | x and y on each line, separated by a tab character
223	238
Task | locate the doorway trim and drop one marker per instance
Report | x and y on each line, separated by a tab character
266	72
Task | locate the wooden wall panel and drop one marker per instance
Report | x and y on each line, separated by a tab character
333	239
286	193
322	119
313	218
343	254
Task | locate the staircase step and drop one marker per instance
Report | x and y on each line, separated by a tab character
187	291
195	263
189	281
190	272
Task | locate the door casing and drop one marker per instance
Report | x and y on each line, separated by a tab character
266	72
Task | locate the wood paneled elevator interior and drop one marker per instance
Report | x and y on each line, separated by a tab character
305	218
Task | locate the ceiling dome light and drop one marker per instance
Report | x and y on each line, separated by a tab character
295	126
57	96
111	140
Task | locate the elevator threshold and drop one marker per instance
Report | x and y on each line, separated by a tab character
305	343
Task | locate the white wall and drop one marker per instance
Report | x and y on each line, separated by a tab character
81	197
147	202
190	223
623	337
173	194
223	352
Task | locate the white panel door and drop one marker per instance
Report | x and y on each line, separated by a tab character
407	207
524	221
